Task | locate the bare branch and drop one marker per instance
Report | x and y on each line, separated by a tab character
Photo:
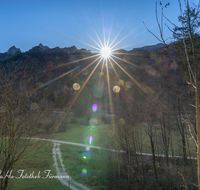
152	32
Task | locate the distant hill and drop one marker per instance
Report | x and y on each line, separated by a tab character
156	47
12	51
39	56
49	69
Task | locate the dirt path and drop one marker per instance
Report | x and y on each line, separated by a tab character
100	148
60	168
61	171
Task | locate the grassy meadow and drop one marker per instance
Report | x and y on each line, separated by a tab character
40	160
97	163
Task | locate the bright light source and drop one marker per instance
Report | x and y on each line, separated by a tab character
105	52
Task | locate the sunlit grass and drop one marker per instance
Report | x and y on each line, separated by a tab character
79	133
41	160
97	166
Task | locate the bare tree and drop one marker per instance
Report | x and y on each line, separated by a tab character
191	62
19	115
152	134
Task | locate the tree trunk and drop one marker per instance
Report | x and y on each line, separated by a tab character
184	149
154	159
198	133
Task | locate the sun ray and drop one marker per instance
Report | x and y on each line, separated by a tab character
85	68
90	45
104	39
122	47
71	103
108	39
128	62
111	105
76	39
121	40
101	72
118	33
95	42
114	69
137	83
118	53
98	38
83	86
115	37
98	52
109	94
62	65
45	84
58	66
126	36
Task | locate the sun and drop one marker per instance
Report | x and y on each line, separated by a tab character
106	52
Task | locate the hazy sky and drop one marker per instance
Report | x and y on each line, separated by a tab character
64	23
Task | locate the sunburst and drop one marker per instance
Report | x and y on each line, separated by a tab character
106	52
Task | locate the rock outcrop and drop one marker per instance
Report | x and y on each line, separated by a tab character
12	51
156	47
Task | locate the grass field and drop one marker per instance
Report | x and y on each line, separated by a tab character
41	160
80	134
96	164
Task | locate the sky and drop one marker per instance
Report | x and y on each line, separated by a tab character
64	23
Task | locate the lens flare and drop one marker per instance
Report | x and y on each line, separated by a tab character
121	82
87	148
90	139
128	84
93	121
105	52
84	171
92	128
86	153
94	107
76	86
116	89
34	106
152	71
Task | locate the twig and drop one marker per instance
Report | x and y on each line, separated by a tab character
151	32
176	141
183	180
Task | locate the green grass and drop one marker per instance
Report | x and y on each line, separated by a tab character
97	166
140	132
80	134
41	160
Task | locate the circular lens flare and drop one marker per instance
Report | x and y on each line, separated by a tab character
94	107
105	52
76	86
84	171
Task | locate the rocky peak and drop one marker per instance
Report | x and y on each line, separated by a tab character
44	48
13	50
69	50
156	47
